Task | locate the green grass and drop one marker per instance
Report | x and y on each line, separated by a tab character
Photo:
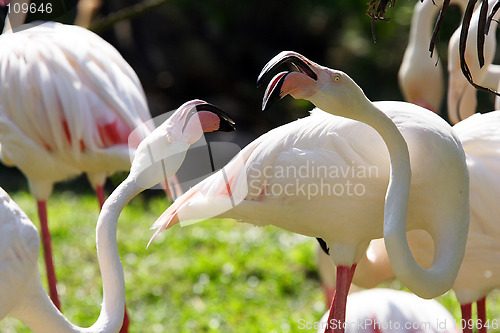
214	276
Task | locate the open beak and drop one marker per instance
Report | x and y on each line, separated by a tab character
226	124
279	87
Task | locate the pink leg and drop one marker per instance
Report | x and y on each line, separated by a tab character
481	314
466	317
177	187
126	322
100	195
167	190
337	309
47	253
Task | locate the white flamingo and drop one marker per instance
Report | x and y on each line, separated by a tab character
21	291
386	310
479	273
246	189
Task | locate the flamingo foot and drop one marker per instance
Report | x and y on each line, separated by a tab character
336	318
47	253
466	317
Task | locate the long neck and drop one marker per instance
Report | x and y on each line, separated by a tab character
398	191
38	312
113	282
423	19
450	244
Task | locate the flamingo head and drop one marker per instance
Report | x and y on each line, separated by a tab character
329	89
162	152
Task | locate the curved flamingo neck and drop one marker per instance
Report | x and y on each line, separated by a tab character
441	275
43	315
113	304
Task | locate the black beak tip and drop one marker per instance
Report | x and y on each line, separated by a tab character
226	123
265	106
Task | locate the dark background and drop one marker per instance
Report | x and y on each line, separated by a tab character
215	49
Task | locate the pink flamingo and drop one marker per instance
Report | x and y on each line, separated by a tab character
69	102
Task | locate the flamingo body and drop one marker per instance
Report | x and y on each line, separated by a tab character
80	102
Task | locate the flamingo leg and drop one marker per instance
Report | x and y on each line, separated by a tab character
100	195
466	317
47	253
481	315
177	187
336	318
167	190
126	322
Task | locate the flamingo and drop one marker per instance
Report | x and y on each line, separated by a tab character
69	102
21	289
261	185
479	273
387	310
418	65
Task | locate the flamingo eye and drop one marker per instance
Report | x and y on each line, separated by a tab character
336	78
